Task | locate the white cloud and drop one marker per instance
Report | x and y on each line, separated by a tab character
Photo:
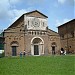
8	9
69	2
8	12
58	22
14	1
61	1
17	13
35	2
4	7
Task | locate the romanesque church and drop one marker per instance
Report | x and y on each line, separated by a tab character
30	32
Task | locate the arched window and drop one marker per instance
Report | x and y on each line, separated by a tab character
28	23
53	44
14	43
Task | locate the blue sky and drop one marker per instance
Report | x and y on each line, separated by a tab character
58	11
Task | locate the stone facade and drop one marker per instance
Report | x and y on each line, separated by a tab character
67	36
30	33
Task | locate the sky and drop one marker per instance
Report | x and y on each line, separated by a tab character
58	11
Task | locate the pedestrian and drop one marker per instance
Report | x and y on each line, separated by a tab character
24	53
62	51
20	54
65	52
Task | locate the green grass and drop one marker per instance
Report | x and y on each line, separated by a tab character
38	65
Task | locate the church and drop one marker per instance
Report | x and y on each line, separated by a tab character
30	32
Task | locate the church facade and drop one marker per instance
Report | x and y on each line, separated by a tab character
30	32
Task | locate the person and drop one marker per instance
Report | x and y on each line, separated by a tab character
65	52
20	54
62	51
24	53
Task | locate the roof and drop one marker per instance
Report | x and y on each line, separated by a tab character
22	17
53	31
67	23
36	11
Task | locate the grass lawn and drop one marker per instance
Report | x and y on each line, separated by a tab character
38	65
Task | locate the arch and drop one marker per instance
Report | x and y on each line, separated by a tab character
37	38
14	43
37	46
53	44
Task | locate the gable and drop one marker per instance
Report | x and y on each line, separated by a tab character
20	21
36	14
17	22
16	25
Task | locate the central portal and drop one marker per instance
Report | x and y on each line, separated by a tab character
36	50
37	46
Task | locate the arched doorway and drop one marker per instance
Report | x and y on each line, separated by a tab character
37	46
53	45
14	46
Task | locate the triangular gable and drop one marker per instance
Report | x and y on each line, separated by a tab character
19	20
32	13
36	14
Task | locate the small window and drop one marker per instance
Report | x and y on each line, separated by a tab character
40	33
9	38
20	30
29	32
28	22
32	33
43	24
37	33
44	33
